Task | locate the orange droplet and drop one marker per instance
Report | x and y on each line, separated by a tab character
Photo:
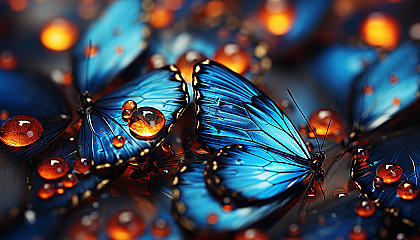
389	171
18	5
167	146
20	131
119	49
186	62
367	90
277	17
311	192
91	51
126	114
227	204
146	122
4	114
160	17
365	208
294	229
320	219
118	141
161	229
129	105
46	190
59	34
393	79
233	56
212	219
173	5
396	101
125	224
378	182
251	234
360	154
407	190
67	77
69	180
156	61
303	129
320	119
8	61
214	8
59	189
381	30
81	165
86	227
53	168
357	232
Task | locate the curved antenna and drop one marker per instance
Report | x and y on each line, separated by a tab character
335	106
312	130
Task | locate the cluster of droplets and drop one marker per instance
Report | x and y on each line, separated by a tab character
368	90
20	131
143	122
388	173
55	172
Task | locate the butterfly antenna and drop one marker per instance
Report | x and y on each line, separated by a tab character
322	191
311	180
329	123
312	130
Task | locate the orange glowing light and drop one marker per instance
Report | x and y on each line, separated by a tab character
186	62
146	122
277	17
380	30
396	101
319	122
407	190
18	5
46	191
212	219
214	8
389	171
59	34
91	51
173	5
160	17
234	57
161	229
251	234
125	224
8	60
365	208
81	165
20	131
53	168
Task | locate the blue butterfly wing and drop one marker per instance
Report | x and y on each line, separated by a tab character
230	110
162	89
118	37
254	173
194	205
13	183
88	183
405	151
394	86
26	95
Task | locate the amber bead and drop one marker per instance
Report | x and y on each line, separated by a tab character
53	168
125	224
20	131
82	165
118	141
167	146
320	119
360	154
146	122
212	218
161	229
407	190
129	105
234	57
46	190
357	232
365	208
186	62
69	180
389	171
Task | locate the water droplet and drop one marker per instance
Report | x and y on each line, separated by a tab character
146	122
234	57
53	168
167	146
129	105
407	190
367	90
277	17
320	219
251	234
8	61
365	208
227	204
393	79
160	16
126	114
303	129
320	119
311	192
212	218
360	154
389	171
161	229
357	232
381	30
125	224
21	131
378	182
59	189
69	180
119	50
59	34
118	141
46	190
81	165
294	230
91	51
396	101
85	227
186	62
4	114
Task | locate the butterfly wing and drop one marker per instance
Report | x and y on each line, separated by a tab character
254	173
386	89
196	209
162	89
403	150
116	39
26	95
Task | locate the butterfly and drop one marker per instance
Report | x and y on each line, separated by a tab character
104	138
261	158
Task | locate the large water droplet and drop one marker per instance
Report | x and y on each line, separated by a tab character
21	131
146	122
53	168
